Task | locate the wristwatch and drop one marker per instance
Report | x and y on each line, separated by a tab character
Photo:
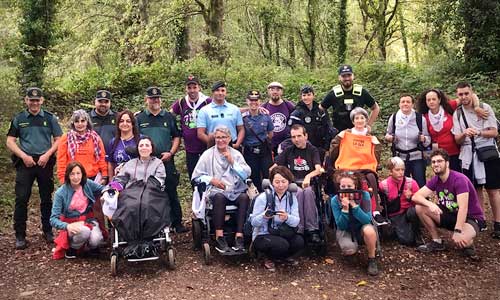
457	230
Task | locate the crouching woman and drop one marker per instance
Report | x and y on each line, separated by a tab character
352	212
275	218
72	214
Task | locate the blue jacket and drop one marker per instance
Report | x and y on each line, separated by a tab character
62	200
362	214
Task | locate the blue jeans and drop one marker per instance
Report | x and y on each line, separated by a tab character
417	170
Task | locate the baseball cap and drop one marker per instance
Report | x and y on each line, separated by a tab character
253	95
345	69
192	79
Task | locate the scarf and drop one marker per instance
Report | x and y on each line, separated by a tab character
75	141
437	120
402	119
201	99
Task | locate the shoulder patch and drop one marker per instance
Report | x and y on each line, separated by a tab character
338	91
357	89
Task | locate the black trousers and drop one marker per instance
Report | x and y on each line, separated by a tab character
191	161
25	177
259	164
276	247
220	201
171	183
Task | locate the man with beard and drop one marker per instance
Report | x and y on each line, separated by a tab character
475	135
457	208
188	108
279	110
160	126
103	118
39	135
346	96
220	112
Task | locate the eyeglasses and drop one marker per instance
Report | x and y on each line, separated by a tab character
221	137
437	161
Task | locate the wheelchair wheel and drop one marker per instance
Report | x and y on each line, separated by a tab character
196	230
114	264
171	258
206	254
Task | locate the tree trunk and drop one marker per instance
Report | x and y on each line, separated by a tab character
402	28
291	37
342	28
182	48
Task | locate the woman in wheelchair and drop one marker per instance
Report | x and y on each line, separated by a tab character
352	212
72	213
356	150
224	170
142	167
275	218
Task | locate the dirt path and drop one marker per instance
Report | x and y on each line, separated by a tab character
31	274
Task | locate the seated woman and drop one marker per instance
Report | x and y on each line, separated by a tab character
224	170
358	140
142	167
352	213
72	213
127	136
270	212
396	192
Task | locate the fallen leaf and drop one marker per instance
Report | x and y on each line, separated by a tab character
329	261
294	283
361	283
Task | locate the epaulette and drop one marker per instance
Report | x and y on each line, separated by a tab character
357	89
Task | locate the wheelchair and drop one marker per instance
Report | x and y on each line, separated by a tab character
202	229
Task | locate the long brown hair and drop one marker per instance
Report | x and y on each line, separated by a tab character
118	133
422	107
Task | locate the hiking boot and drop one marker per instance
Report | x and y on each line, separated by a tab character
180	228
70	253
380	220
221	245
269	265
48	236
470	252
495	234
483	226
21	243
431	246
372	267
239	244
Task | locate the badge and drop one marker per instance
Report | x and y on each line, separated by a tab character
154	91
307	119
35	93
103	94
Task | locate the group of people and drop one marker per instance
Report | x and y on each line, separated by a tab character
286	143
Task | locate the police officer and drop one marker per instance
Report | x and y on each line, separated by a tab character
317	124
38	132
257	148
161	127
103	118
343	98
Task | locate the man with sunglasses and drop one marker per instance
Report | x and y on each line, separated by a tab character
457	208
38	132
103	118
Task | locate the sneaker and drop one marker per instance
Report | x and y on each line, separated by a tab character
470	252
21	243
483	226
269	265
380	220
372	267
431	246
291	262
314	237
180	228
221	245
70	253
48	236
239	244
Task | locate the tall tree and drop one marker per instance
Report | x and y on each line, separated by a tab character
342	30
37	36
213	15
402	29
308	38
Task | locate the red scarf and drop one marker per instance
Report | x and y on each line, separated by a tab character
75	140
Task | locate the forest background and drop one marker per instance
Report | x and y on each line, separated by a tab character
71	49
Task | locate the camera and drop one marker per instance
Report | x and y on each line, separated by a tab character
269	213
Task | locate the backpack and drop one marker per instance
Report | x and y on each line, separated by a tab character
420	146
391	206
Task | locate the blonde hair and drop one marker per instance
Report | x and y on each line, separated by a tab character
394	162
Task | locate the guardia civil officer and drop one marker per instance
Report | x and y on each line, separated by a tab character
103	118
38	133
346	96
161	127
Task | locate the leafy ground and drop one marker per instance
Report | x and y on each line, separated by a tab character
32	274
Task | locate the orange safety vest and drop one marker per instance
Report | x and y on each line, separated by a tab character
356	152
